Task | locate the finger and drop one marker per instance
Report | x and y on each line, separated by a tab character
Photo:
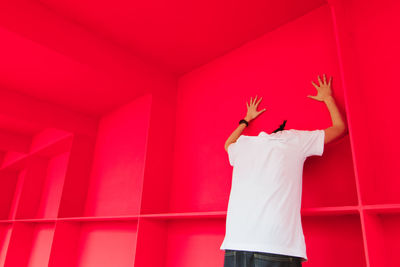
251	101
319	80
316	86
261	111
255	100
330	81
259	101
324	77
247	105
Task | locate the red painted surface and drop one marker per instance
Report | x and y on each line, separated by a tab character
369	51
281	72
113	119
181	35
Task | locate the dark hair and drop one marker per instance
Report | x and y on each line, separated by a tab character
281	128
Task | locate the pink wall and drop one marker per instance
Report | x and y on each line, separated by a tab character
369	44
119	155
279	67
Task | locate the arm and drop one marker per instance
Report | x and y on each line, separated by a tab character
252	113
338	127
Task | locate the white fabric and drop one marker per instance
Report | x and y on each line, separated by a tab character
265	198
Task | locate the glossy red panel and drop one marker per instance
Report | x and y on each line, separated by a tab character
94	244
279	67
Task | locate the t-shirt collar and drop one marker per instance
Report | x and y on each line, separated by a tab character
271	136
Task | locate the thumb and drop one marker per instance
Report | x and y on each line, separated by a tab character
261	111
311	96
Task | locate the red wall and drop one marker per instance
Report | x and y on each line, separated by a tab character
368	42
279	67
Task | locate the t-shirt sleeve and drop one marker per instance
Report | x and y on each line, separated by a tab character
312	142
233	152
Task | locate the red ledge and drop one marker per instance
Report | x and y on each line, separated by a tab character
59	145
382	208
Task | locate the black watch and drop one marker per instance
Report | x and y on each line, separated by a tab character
244	121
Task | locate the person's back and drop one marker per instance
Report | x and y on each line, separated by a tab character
265	199
263	223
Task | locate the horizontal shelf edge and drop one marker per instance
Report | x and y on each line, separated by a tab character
16	163
338	210
101	218
317	211
341	210
40	220
382	208
185	215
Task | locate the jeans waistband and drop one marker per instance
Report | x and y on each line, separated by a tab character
268	256
276	257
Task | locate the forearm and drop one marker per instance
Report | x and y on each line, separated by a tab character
251	114
336	117
236	133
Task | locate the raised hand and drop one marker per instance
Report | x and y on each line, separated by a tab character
324	89
252	112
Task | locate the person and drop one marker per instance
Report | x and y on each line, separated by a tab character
263	222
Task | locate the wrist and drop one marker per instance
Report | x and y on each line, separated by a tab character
328	98
247	119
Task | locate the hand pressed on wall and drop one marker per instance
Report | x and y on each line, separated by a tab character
324	89
252	112
338	127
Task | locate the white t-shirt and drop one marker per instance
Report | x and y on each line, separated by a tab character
265	199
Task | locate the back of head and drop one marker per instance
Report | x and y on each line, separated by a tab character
281	127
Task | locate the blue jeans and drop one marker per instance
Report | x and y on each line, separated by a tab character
240	258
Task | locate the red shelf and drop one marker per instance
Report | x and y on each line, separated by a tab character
146	183
329	236
341	210
9	193
94	244
382	236
324	184
54	146
184	215
382	208
30	244
100	218
5	235
181	242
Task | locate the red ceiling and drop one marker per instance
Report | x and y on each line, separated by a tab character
91	56
180	34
